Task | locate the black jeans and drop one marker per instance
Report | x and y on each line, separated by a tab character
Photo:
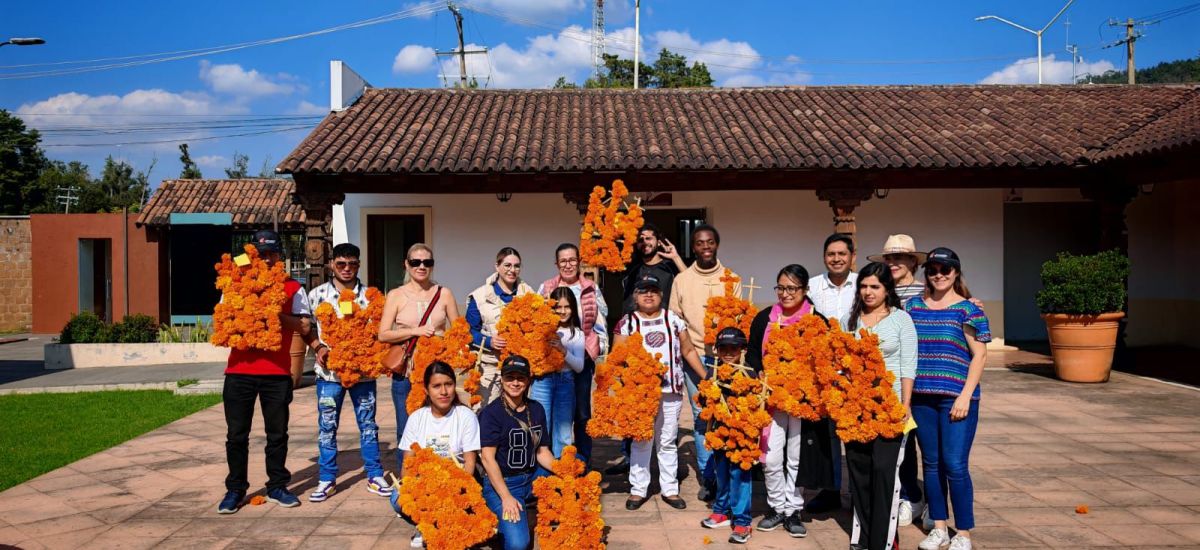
274	394
874	495
910	486
583	409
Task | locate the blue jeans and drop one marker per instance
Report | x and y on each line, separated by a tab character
733	490
556	393
515	535
400	389
330	396
945	448
583	410
699	427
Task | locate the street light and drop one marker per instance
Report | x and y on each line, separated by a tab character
1038	34
23	42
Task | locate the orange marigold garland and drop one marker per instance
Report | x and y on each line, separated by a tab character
628	391
528	324
445	502
606	223
736	403
354	351
797	362
452	348
729	310
569	506
252	297
862	402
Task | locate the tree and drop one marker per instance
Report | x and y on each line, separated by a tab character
563	84
119	186
1167	72
670	70
21	161
190	170
618	73
267	171
240	169
42	196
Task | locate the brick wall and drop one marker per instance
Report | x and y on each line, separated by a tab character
16	274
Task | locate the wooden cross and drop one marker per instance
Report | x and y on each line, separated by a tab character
479	351
751	287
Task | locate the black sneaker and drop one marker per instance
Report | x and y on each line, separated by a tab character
794	527
231	502
771	522
617	469
282	497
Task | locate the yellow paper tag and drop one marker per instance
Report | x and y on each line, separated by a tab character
910	425
241	260
346	308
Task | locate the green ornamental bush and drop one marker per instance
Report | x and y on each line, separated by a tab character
83	328
136	329
87	328
1084	285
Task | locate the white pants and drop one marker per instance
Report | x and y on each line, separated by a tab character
783	464
666	427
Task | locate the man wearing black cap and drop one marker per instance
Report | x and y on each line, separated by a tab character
265	376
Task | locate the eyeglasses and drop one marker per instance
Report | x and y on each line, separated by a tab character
779	289
938	269
344	265
510	267
413	262
647	291
569	261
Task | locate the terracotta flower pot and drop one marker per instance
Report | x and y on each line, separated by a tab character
1082	345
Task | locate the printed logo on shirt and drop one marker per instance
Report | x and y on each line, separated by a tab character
520	456
656	339
439	444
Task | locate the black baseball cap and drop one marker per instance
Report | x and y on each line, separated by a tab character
648	282
944	256
731	336
515	363
266	241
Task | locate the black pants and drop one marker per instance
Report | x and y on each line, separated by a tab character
910	486
274	394
874	493
583	409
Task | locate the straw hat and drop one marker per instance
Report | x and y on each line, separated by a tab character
899	244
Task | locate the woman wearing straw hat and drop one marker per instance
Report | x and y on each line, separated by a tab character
901	255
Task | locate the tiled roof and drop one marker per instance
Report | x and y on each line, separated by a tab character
393	131
253	202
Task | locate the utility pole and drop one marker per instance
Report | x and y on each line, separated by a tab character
1131	36
66	197
462	51
637	39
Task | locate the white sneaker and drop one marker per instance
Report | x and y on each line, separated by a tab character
323	491
379	486
960	543
417	541
938	539
905	514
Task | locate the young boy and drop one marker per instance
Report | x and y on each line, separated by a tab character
733	483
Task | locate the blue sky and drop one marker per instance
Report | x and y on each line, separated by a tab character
531	42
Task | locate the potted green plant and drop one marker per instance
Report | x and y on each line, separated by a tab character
1081	300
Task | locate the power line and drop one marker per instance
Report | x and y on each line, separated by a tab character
179	140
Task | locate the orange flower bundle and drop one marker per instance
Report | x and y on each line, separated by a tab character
606	223
452	348
569	506
862	402
797	363
628	391
729	310
736	402
445	502
252	297
528	324
354	351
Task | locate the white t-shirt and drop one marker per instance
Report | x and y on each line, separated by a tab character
572	341
453	434
660	335
832	301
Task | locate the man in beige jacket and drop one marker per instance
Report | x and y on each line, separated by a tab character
689	296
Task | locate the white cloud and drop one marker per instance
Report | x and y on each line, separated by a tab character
538	65
1054	71
539	9
212	161
233	80
308	108
413	58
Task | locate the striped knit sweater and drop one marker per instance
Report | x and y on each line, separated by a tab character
943	356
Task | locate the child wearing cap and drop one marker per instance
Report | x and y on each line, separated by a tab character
665	334
514	442
733	483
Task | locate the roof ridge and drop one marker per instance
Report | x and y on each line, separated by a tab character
1119	138
792	87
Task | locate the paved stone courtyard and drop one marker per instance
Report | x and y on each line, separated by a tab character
1129	450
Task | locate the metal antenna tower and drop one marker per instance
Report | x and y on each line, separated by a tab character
598	37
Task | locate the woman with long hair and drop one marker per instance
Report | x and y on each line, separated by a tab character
484	306
952	336
443	425
555	392
874	466
514	442
419	307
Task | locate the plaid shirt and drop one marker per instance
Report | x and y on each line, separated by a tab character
328	294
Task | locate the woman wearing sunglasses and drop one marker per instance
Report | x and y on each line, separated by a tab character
484	306
952	334
417	308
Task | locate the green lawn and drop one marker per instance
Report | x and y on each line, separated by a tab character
42	432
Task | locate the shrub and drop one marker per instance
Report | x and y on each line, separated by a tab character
83	328
1084	285
87	328
135	329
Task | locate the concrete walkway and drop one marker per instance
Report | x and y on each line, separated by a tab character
1129	449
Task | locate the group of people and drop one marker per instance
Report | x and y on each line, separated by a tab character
931	334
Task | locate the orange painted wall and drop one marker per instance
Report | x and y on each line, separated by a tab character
56	266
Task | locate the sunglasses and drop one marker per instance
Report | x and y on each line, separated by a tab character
344	265
418	263
938	269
